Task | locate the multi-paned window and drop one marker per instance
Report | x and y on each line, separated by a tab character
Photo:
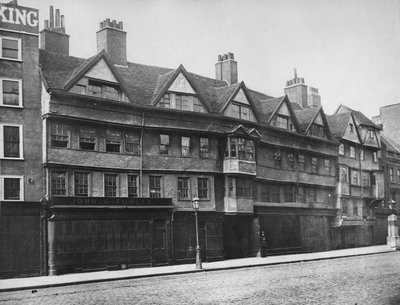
241	148
362	155
183	188
110	185
181	102
241	111
131	143
104	90
391	177
87	138
317	130
204	147
11	188
327	165
59	135
185	146
244	188
300	194
301	159
58	183
341	149
155	186
354	177
344	174
10	48
277	156
113	140
202	188
11	92
312	194
290	160
132	186
165	102
366	179
289	193
398	176
81	184
314	164
375	157
164	144
11	141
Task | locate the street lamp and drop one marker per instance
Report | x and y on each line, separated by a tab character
391	205
195	202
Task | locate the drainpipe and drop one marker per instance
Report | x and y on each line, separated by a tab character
141	156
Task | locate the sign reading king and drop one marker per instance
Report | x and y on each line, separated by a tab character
19	18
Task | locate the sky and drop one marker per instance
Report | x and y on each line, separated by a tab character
348	49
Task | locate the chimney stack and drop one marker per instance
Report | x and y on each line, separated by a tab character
53	37
298	92
112	38
226	68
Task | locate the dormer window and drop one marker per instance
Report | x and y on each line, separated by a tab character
351	127
98	88
241	111
317	130
185	102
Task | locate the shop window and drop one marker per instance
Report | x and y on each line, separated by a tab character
59	135
202	188
113	140
11	141
110	185
164	144
81	184
132	186
58	183
11	92
11	188
183	188
87	138
155	186
10	48
204	147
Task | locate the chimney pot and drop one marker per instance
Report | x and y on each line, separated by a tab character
51	16
225	57
101	25
219	57
114	23
46	24
57	18
63	22
121	25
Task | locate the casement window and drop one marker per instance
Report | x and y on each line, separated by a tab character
197	105
351	127
344	174
341	149
11	141
282	122
300	194
391	177
110	185
87	138
244	188
275	195
132	186
241	148
370	134
314	164
202	188
183	188
362	155
10	48
354	177
375	157
113	140
103	90
241	111
12	188
312	194
185	146
290	160
277	158
155	186
131	143
317	130
345	206
81	184
181	102
204	146
366	181
11	92
59	135
165	102
327	165
58	183
301	159
355	208
164	144
352	152
289	193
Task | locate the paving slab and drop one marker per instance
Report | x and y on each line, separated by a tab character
101	276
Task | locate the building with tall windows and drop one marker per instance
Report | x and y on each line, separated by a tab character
20	140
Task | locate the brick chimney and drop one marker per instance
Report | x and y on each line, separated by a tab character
226	68
112	38
53	37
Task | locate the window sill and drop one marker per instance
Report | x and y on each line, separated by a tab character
11	106
11	59
10	158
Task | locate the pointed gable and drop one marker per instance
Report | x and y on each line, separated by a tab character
101	71
313	122
238	103
351	132
181	85
283	116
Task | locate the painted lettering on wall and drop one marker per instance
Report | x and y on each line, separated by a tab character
18	16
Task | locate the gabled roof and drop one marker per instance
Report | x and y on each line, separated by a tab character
358	115
240	130
307	116
278	102
390	144
338	123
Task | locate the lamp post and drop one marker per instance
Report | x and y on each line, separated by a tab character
393	239
195	202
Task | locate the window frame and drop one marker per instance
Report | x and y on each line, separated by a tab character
244	188
20	99
341	149
200	191
111	139
239	113
181	187
131	138
164	148
158	189
53	184
21	187
204	149
352	152
185	146
19	40
88	186
87	140
314	165
116	187
21	141
133	187
53	137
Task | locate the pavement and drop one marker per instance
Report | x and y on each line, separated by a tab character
102	276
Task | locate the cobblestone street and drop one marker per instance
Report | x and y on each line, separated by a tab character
372	279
